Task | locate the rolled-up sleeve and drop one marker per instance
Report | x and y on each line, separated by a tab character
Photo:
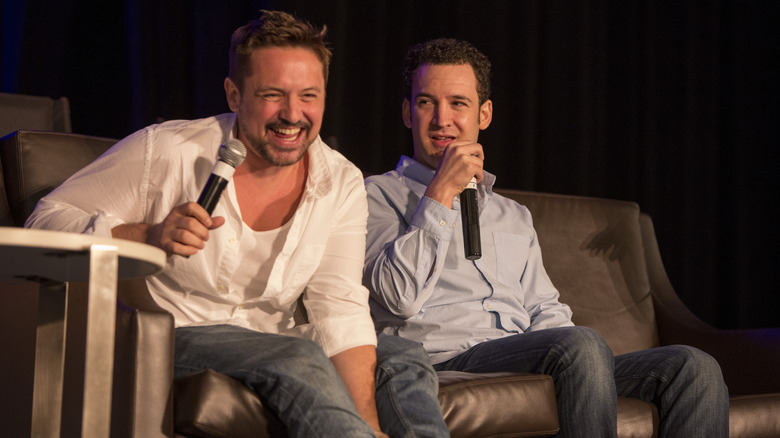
106	193
335	299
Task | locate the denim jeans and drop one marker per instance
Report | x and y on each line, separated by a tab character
297	382
685	384
407	390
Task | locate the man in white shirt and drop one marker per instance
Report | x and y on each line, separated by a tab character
290	223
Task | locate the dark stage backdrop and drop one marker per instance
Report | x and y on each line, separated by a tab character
671	104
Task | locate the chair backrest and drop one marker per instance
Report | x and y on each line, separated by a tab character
35	162
592	250
19	111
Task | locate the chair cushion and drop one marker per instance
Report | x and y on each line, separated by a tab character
210	404
498	404
636	418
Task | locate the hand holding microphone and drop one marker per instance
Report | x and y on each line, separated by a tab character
461	159
177	233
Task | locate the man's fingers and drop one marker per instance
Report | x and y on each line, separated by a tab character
186	229
216	222
466	148
173	247
187	237
193	209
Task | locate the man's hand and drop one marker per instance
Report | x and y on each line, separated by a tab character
461	161
184	231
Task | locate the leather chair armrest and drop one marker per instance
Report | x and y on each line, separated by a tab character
749	358
754	416
143	366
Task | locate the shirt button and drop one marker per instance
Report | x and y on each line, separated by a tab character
232	240
443	223
221	287
489	307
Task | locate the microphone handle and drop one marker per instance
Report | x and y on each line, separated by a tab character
209	197
469	215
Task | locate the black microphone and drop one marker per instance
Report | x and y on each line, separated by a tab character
231	154
469	216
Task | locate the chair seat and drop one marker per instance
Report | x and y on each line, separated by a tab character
498	404
210	404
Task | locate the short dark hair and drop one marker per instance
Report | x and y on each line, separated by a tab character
445	51
275	29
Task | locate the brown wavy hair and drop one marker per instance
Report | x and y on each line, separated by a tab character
275	29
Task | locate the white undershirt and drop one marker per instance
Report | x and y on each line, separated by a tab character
253	272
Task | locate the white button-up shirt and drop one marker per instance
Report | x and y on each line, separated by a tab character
144	176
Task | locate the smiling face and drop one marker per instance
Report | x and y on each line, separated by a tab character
444	108
280	104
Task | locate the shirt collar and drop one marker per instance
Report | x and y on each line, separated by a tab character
422	174
320	180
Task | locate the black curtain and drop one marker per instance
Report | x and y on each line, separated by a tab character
670	104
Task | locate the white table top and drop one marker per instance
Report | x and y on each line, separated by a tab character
62	256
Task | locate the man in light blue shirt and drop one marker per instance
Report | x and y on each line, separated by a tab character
501	312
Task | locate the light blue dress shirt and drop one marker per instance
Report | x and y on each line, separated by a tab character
423	288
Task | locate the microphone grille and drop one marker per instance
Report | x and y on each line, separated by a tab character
232	152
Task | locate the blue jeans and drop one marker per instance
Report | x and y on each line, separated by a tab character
296	381
685	384
407	390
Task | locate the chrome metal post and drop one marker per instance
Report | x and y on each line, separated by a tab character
101	320
49	359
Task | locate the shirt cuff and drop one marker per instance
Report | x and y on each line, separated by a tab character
102	224
340	334
433	217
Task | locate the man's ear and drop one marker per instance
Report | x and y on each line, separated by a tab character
406	113
485	114
233	94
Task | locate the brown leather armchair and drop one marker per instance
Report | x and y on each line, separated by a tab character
601	254
21	111
603	257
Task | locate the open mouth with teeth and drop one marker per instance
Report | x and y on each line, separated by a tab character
441	141
287	135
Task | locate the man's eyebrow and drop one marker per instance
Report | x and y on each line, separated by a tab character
426	95
283	91
267	89
460	97
450	97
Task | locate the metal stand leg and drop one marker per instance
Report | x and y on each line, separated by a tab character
101	320
49	360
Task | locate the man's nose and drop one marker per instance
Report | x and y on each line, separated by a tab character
291	110
442	116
